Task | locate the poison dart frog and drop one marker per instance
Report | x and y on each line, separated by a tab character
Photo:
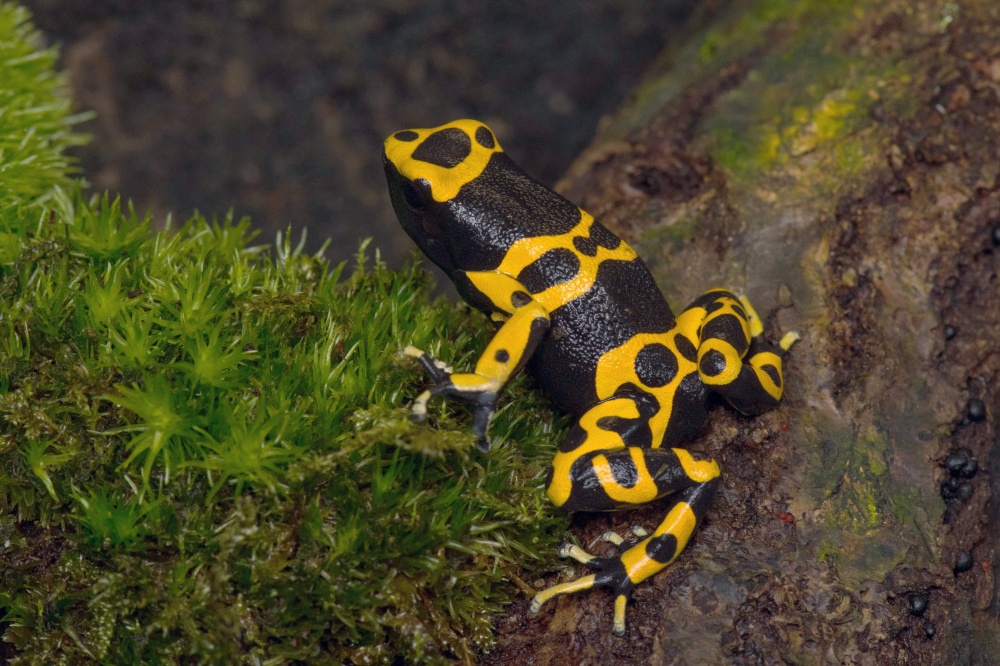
577	307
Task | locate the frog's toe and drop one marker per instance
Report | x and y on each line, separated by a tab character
573	551
639	531
612	537
788	339
610	573
438	370
481	416
418	411
623	543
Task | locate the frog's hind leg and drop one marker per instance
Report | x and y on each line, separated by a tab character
735	360
639	557
606	464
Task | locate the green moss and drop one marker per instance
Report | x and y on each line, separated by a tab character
854	471
257	432
749	29
674	236
864	519
805	108
735	34
205	453
35	125
828	551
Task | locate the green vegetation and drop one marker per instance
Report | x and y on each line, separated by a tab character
205	451
35	125
804	108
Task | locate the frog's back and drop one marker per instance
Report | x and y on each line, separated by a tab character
599	293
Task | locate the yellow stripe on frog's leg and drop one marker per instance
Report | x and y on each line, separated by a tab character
756	325
620	421
506	353
584	438
654	552
608	480
578	585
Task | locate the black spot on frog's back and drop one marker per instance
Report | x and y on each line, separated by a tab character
604	238
685	347
598	237
552	268
656	365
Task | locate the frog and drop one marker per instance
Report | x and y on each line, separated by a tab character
574	305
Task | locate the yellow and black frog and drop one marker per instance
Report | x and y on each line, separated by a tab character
575	305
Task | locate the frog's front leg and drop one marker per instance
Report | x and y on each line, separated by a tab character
599	469
504	356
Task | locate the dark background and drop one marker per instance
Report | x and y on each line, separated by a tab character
277	109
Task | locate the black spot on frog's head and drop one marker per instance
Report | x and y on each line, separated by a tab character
426	169
446	157
463	201
484	137
406	135
446	147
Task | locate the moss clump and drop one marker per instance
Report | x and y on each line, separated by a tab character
35	125
750	27
861	499
803	111
205	454
861	510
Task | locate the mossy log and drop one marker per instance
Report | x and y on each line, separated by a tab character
838	163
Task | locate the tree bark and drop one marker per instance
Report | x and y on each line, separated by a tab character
838	163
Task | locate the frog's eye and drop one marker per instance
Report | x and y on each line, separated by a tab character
416	194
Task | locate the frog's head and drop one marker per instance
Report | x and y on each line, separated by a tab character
426	169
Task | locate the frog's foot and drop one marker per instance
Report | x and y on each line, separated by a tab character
482	392
438	370
610	573
757	328
642	555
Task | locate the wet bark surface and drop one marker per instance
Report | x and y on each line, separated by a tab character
838	163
